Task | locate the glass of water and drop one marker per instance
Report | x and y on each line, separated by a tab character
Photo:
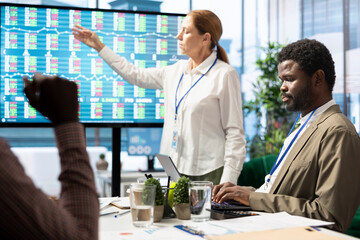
142	199
200	200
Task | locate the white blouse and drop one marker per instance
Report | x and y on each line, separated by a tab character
209	121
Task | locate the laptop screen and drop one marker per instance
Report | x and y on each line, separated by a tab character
169	166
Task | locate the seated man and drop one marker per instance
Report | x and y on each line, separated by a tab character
316	174
26	212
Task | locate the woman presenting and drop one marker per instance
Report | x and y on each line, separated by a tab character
203	126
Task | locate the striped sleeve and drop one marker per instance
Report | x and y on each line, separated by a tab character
27	213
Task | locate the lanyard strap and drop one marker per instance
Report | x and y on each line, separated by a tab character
177	105
278	161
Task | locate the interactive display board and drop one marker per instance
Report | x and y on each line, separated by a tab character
39	39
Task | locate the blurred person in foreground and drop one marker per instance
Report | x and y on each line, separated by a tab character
316	174
28	213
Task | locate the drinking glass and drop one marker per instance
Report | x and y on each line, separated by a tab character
200	200
141	179
142	199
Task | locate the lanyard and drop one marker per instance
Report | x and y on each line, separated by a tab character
277	163
177	105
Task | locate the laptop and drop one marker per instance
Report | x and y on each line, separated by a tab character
172	171
169	166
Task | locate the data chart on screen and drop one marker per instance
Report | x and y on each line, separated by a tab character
39	39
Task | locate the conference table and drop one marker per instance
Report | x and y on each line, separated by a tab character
121	228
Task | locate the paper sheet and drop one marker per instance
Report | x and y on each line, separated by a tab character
298	233
104	202
256	223
120	202
153	233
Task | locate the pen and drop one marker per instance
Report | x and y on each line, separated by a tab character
193	230
108	213
121	213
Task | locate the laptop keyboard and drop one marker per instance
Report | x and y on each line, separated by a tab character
221	214
229	206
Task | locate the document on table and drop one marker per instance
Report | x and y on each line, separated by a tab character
104	202
113	205
297	233
119	202
153	233
256	223
215	228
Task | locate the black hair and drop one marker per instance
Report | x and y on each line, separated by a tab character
311	55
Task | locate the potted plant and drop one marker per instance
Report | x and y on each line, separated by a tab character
159	199
268	105
101	164
181	198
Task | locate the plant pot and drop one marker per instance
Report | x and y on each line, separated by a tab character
182	211
102	164
158	213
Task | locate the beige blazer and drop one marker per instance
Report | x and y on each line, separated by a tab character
320	178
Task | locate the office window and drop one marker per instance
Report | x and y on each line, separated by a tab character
324	21
352	58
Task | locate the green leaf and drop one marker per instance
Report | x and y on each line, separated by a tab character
266	89
181	190
159	196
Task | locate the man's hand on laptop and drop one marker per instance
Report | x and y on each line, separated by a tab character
228	191
217	188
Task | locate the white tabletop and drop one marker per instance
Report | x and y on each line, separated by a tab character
121	228
111	228
123	223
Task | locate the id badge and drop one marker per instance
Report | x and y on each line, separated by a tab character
175	137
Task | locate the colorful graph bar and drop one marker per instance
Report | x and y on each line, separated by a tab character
118	111
96	88
13	40
74	65
119	90
13	110
54	41
97	20
77	17
32	112
163	46
54	18
139	111
33	41
120	44
11	86
13	16
162	24
98	110
31	16
119	24
13	66
33	64
54	65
